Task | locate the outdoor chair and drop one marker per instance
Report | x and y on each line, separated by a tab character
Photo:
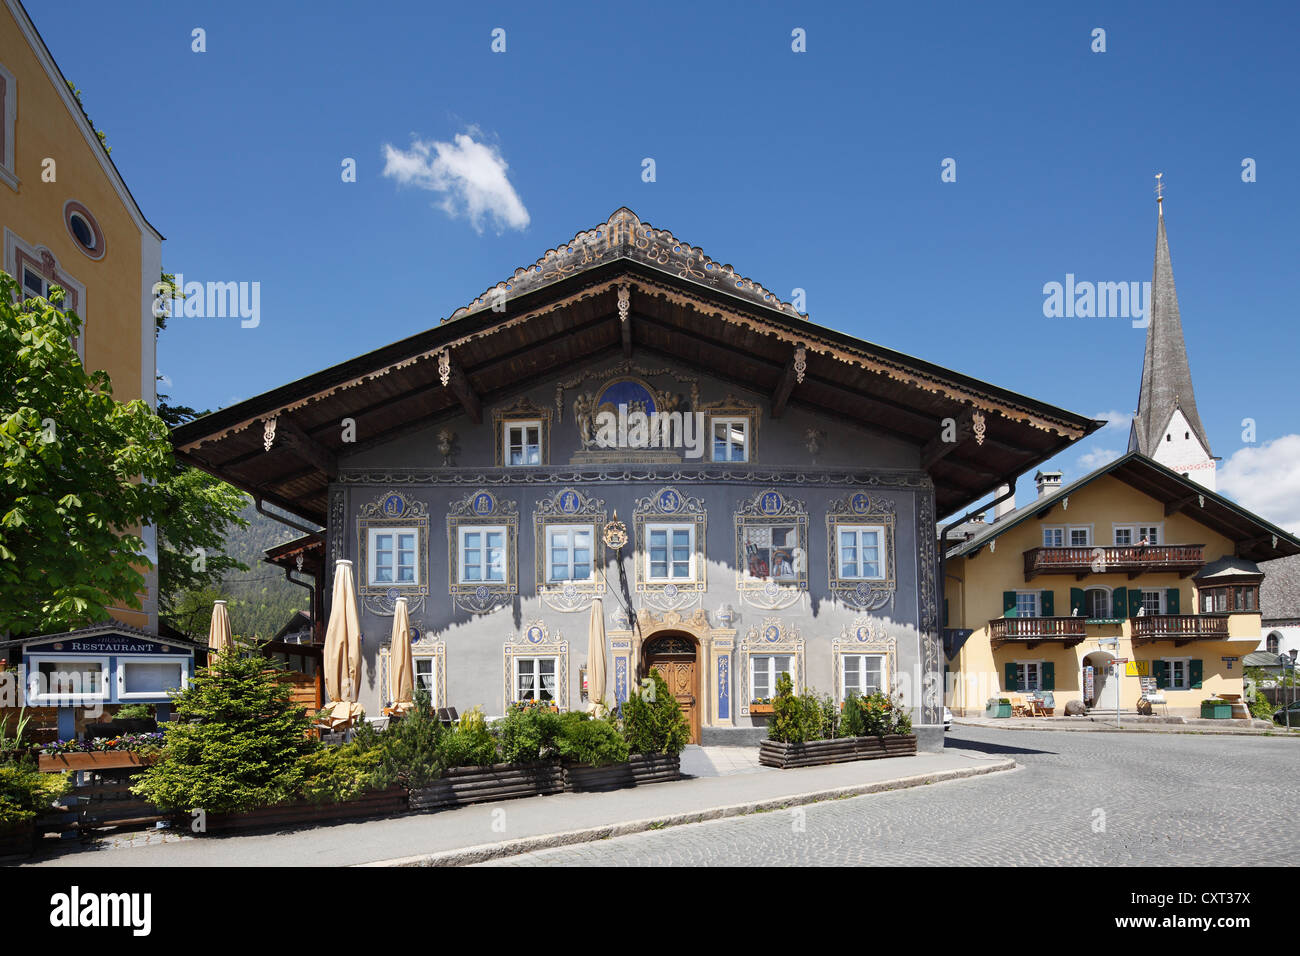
1019	708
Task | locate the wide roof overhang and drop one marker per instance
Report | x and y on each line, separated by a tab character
622	290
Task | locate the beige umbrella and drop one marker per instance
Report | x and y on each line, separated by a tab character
401	668
342	654
219	636
596	655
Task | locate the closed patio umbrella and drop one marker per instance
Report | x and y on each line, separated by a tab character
342	653
596	655
401	668
219	636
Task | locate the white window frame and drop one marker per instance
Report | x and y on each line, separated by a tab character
75	300
1186	663
1022	676
861	658
1087	531
522	424
1160	594
670	527
1136	529
772	674
1038	603
37	699
882	556
743	423
537	674
568	529
432	685
1110	603
372	564
485	530
1055	530
9	119
124	662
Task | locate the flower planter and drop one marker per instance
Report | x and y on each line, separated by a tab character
996	708
1216	709
282	815
640	769
19	840
772	753
461	786
758	710
93	760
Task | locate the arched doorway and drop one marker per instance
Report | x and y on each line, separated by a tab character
1105	685
676	656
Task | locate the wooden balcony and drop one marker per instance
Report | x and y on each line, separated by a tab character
1179	628
1032	631
1134	559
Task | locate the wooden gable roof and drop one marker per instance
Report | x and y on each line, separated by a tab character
623	287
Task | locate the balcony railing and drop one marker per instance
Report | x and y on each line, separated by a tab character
1179	628
1035	630
1134	559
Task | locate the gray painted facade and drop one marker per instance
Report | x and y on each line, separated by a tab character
825	474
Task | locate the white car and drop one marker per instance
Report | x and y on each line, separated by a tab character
947	719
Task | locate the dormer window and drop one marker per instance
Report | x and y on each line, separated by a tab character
523	443
730	439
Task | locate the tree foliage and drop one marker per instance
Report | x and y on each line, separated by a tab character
653	722
81	475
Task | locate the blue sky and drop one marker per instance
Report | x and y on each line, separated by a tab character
818	170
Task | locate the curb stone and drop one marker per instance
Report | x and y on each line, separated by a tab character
493	851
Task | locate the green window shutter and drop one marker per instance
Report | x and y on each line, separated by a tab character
1010	682
1047	602
1049	675
1171	601
1119	602
1008	603
1161	670
1195	670
1077	607
1134	601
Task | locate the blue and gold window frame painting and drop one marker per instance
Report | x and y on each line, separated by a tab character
536	641
522	412
772	550
392	510
856	510
669	506
569	507
483	509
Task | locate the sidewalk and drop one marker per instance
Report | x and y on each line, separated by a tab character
1135	723
486	831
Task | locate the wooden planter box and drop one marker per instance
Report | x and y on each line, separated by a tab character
760	710
95	760
640	769
461	786
374	804
18	841
772	753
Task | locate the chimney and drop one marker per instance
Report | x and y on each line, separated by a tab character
1047	482
977	519
1004	508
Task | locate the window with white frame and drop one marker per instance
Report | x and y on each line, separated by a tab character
730	439
861	674
765	670
1053	537
522	442
8	125
1080	537
394	558
59	680
482	554
536	678
1029	675
1178	673
1096	602
426	675
1027	603
1153	600
569	553
860	552
149	677
670	552
1128	534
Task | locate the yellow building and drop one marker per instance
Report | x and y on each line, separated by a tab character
68	219
1132	563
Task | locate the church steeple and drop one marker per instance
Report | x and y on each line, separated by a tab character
1167	426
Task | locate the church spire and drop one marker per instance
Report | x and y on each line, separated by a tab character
1167	426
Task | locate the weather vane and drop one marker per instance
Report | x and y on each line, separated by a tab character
1160	193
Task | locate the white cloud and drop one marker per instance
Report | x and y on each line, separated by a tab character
470	175
1265	479
1114	419
1094	459
164	379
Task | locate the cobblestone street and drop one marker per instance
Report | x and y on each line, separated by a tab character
1096	799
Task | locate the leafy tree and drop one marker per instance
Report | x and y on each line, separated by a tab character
411	748
236	744
81	475
653	722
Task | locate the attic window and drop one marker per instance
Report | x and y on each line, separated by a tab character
84	229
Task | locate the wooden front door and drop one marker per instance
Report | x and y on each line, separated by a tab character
679	675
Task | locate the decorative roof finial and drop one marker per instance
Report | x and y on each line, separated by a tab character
1160	195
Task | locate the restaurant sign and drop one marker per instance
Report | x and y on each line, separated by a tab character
107	644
